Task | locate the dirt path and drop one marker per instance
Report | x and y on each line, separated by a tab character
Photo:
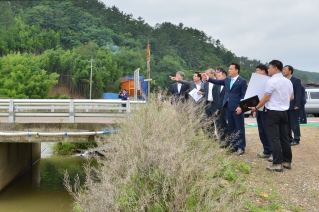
299	186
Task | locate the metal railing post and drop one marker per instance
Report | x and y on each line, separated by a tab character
128	106
11	111
71	111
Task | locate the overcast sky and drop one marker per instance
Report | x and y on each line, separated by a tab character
287	30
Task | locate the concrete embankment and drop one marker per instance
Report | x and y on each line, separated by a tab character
19	152
15	158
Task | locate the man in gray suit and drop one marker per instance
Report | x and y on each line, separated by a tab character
195	84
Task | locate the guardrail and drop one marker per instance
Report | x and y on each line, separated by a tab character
71	108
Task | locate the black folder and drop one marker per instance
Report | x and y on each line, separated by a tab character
250	102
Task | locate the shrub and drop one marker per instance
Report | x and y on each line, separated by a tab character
67	148
163	162
64	96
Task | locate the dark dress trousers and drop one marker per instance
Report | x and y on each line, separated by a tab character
211	106
236	123
302	111
262	129
293	115
222	115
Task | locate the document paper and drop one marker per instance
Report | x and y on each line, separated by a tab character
256	86
194	94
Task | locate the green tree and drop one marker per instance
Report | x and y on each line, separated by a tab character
21	77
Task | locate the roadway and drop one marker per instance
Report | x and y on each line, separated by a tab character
310	120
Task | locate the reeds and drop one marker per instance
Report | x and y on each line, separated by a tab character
164	161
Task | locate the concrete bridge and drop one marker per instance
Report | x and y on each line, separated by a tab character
24	124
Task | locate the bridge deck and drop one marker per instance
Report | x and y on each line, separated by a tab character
106	120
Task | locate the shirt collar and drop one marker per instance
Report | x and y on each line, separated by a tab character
278	75
235	78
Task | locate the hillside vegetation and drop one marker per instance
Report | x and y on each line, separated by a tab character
46	42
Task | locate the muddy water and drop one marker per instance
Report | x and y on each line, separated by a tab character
40	188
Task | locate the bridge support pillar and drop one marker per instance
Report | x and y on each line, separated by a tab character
15	158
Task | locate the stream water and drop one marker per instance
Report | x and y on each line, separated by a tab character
40	188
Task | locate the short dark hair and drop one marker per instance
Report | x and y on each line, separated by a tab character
277	64
263	67
223	71
290	68
199	75
219	68
237	66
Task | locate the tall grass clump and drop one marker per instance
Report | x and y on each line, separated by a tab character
163	162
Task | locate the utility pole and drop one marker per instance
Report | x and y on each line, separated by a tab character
91	61
148	66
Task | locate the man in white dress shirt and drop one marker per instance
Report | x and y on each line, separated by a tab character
277	97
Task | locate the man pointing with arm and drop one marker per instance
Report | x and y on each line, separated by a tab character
235	89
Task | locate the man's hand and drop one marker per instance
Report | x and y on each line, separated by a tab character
199	92
253	109
296	108
254	114
238	110
204	76
173	78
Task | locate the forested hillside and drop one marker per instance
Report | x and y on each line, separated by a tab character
43	43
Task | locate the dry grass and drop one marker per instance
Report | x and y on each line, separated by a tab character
163	162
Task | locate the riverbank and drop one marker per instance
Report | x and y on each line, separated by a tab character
296	189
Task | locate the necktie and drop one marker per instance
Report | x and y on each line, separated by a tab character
231	82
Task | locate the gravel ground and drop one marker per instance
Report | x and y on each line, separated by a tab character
299	187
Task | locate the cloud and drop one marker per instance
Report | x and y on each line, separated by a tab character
257	29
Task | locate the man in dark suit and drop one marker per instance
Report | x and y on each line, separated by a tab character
295	105
210	93
221	111
302	111
179	90
261	116
235	89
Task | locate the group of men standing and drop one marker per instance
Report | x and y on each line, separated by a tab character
280	116
221	98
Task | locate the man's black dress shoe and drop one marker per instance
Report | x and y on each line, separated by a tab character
233	149
294	143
